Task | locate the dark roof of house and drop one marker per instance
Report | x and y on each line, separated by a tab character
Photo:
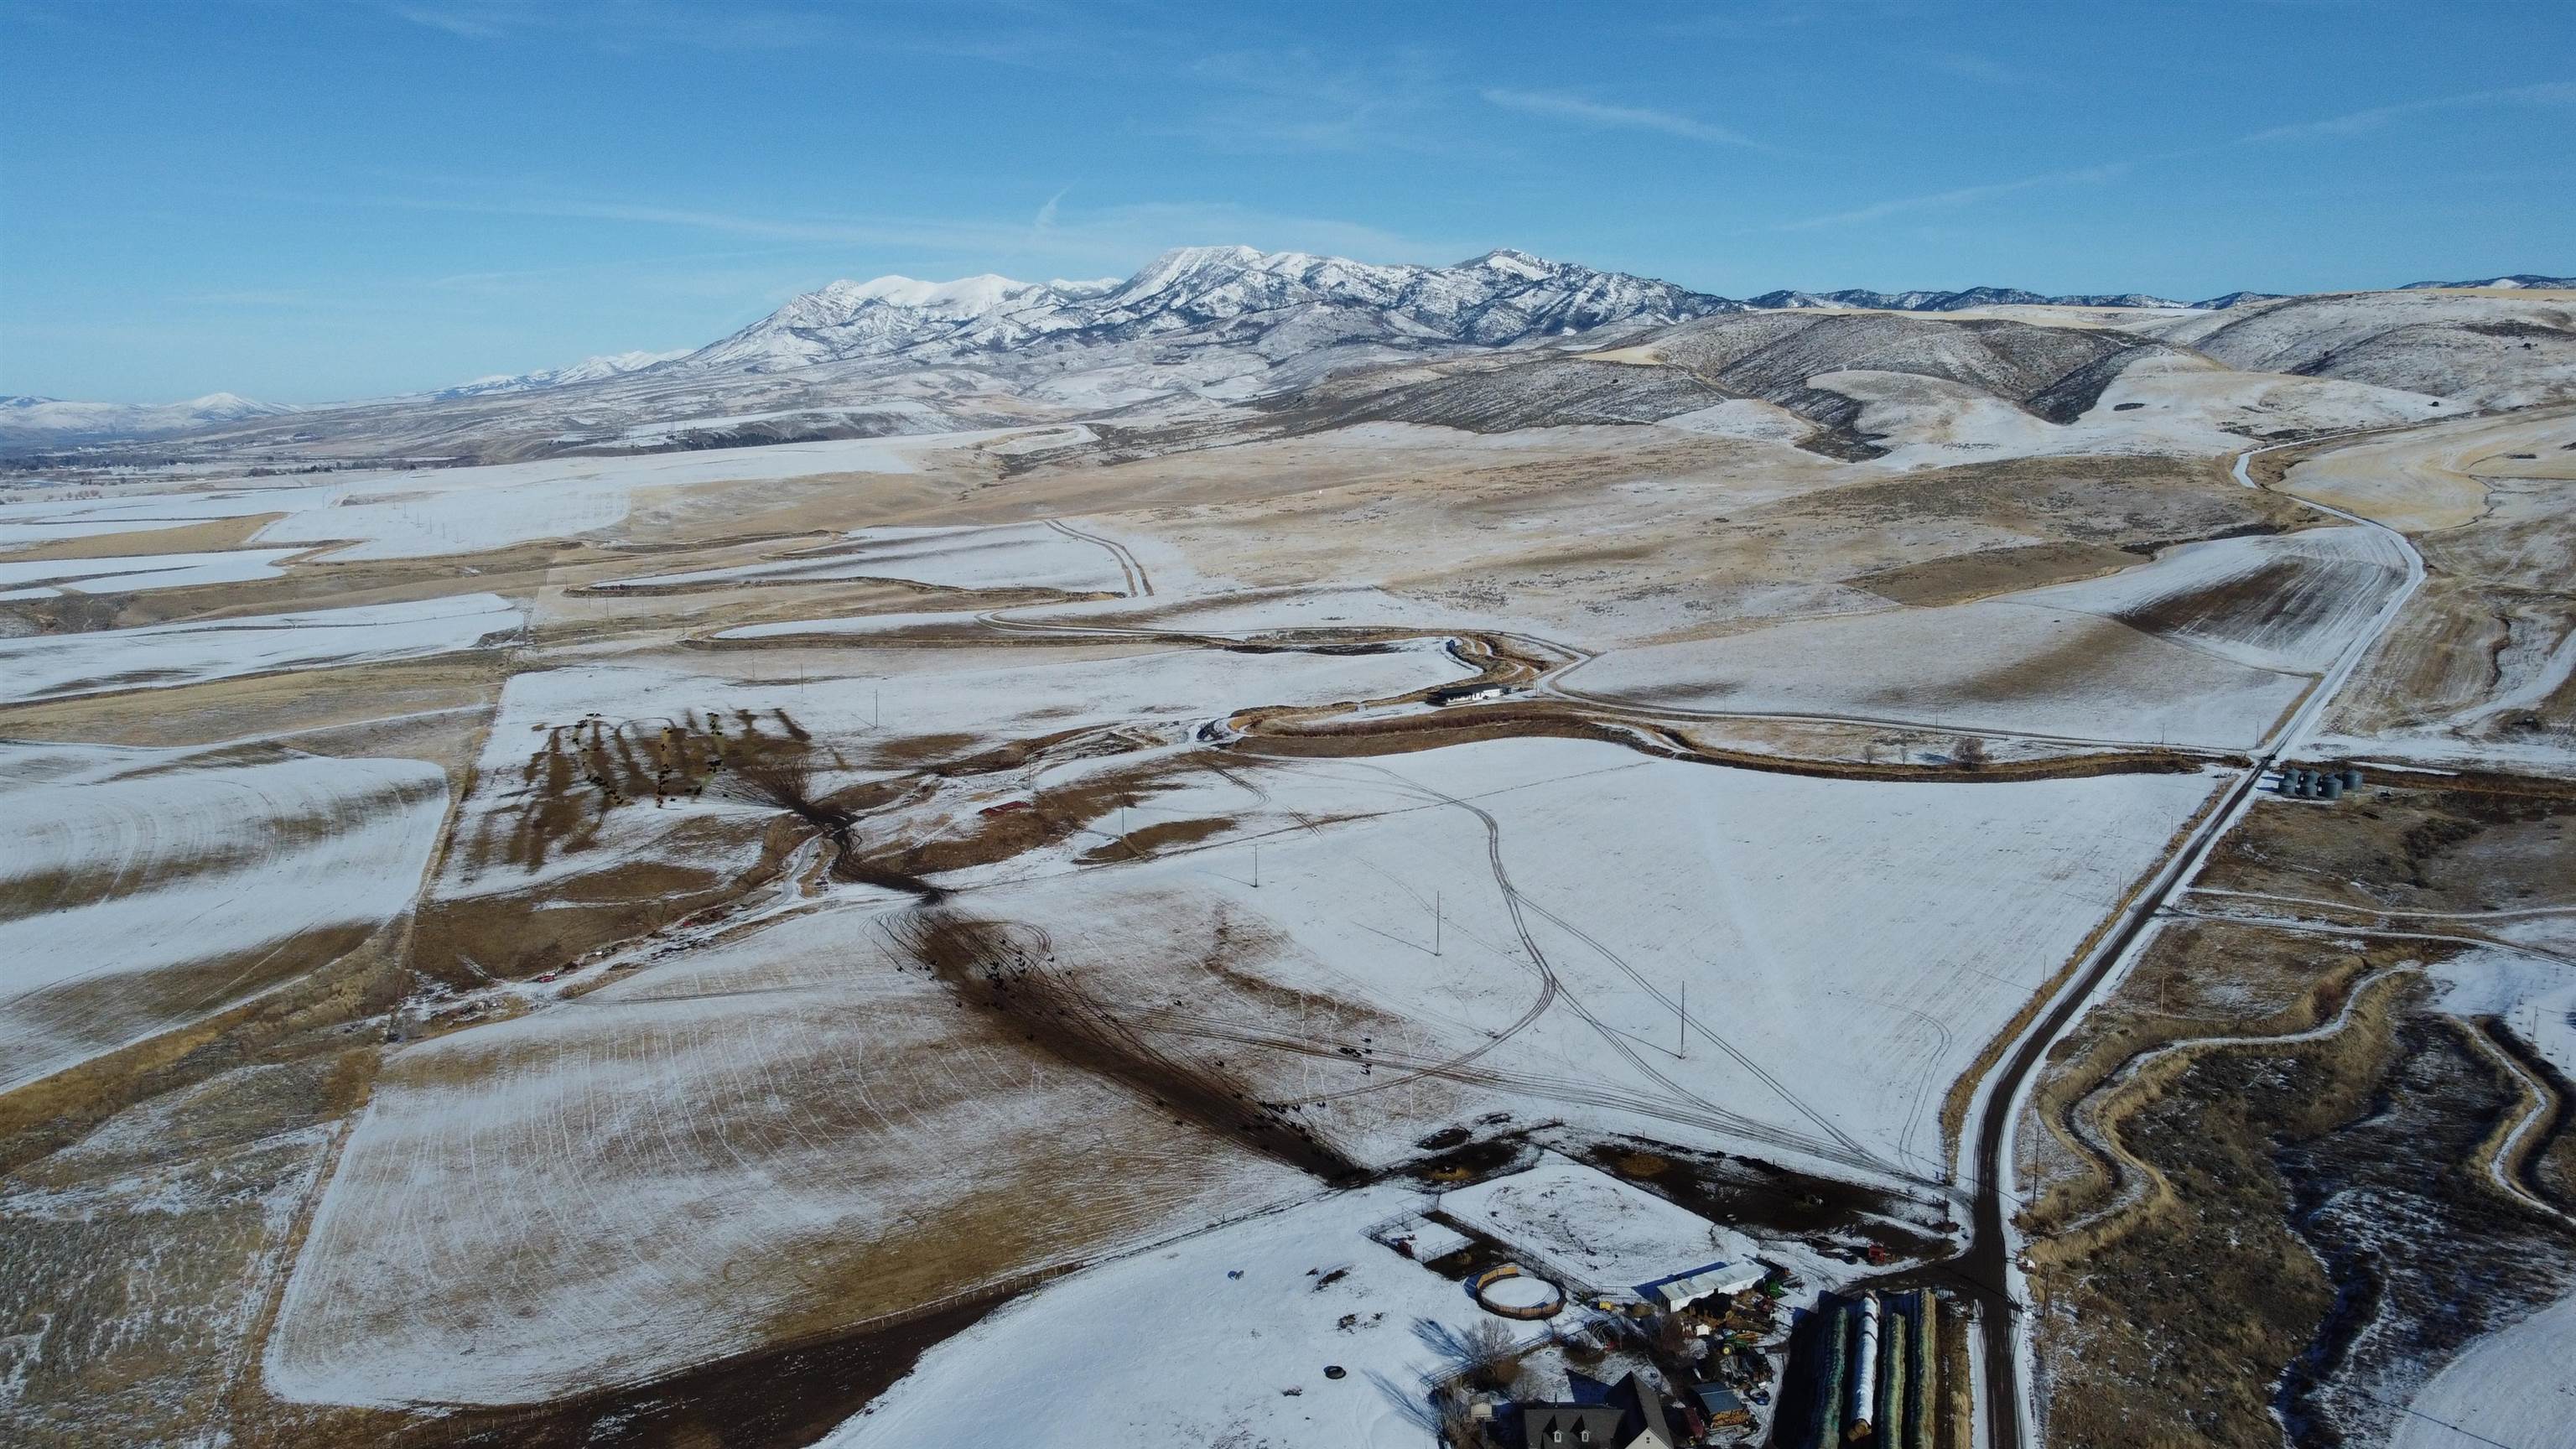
1551	1426
1632	1413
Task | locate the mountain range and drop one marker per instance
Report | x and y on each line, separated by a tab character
589	369
1283	303
50	418
1220	324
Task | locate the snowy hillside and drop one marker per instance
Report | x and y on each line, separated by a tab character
1249	295
1201	328
2519	281
589	369
1934	301
44	419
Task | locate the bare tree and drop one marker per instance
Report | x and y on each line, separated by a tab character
1490	1354
1968	753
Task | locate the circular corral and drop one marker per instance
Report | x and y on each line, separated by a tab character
1514	1293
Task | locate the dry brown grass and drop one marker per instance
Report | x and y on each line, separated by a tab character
2175	1328
1962	577
211	536
2200	979
2400	846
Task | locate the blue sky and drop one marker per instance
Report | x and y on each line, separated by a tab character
305	200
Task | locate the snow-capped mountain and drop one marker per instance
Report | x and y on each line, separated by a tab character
893	314
45	419
1237	295
589	369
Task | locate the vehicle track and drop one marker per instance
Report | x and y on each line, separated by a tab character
1138	586
1698	1026
1836	1145
1523	1084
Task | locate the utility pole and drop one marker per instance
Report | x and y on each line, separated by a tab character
1684	1033
1435	923
1256	865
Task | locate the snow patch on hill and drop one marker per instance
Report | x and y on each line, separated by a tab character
45	419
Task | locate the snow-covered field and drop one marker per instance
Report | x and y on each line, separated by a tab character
1006	556
129	510
438	511
1994	665
775	1136
1232	614
2288	602
1221	1339
2511	1387
678	1077
1592	1231
960	697
2167	405
144	888
38	579
2534	996
51	666
2209	644
422	515
16	535
1847	947
468	510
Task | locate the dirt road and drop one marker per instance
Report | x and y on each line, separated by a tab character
1987	1271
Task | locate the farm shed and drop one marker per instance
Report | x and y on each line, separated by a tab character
1715	1280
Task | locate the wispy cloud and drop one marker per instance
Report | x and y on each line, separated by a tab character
1002	31
2354	123
1971	66
476	24
1059	235
1560	106
1296	100
1959	196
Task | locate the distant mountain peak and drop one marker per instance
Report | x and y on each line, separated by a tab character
1518	263
48	420
1240	291
589	369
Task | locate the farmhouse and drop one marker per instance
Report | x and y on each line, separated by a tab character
1631	1416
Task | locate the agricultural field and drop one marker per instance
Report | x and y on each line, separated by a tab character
771	904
